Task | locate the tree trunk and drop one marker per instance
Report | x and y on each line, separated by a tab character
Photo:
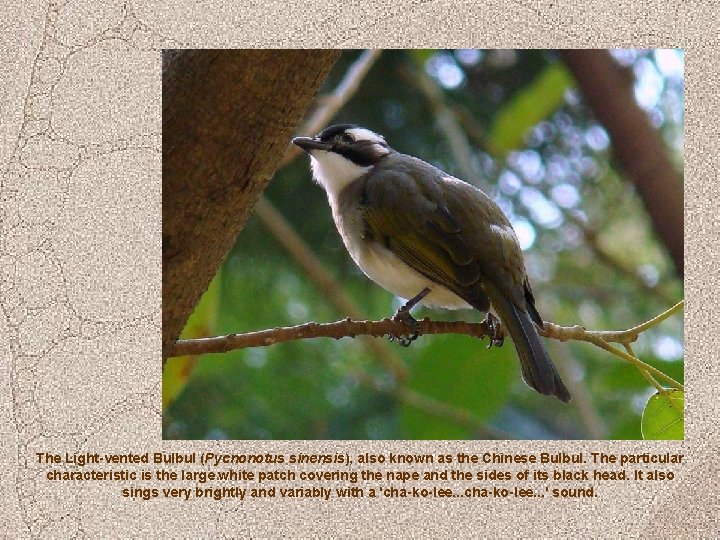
227	118
637	145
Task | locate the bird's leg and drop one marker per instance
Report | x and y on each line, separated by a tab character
414	300
497	333
403	315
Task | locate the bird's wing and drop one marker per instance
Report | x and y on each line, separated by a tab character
447	232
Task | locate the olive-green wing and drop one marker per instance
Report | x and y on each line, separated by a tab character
443	230
410	219
493	242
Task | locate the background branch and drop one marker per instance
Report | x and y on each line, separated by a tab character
612	262
325	282
637	145
449	124
330	104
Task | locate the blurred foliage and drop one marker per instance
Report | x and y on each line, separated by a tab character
449	369
533	104
543	157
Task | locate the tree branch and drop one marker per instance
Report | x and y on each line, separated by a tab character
604	338
636	145
389	327
336	330
432	406
592	240
325	282
448	122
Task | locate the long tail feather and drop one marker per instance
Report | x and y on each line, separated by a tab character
538	370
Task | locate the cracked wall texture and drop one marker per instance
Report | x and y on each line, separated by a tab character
80	150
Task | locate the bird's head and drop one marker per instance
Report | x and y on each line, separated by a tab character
342	153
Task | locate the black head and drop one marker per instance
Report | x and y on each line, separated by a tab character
331	132
357	144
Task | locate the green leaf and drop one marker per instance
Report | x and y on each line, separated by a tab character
663	417
461	372
526	108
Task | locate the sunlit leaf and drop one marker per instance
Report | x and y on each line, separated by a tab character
663	417
527	107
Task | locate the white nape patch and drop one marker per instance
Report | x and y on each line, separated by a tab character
333	172
362	134
506	232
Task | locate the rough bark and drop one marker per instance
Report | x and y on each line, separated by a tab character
227	118
637	145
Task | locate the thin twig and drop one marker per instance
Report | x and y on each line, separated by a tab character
664	392
580	333
634	360
603	338
655	320
644	372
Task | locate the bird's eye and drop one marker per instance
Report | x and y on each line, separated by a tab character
347	138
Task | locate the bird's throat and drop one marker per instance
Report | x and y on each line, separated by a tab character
333	172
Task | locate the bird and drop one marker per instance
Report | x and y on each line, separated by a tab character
425	235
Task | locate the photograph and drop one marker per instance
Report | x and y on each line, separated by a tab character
453	244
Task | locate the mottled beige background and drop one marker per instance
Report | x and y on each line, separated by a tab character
80	150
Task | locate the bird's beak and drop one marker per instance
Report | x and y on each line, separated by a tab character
308	144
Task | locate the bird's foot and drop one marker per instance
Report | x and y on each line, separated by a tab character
497	333
403	315
404	340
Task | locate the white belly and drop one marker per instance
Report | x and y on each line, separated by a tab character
390	272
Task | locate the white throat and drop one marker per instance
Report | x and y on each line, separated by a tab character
333	172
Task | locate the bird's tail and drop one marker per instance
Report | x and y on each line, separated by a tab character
538	370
